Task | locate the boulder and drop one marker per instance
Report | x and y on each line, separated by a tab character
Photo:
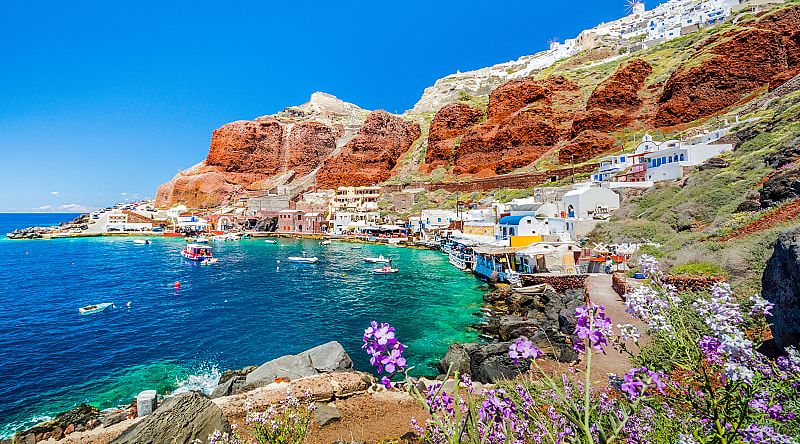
325	358
326	414
181	419
781	286
456	359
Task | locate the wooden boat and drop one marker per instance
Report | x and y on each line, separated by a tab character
386	269
195	252
303	259
97	308
377	260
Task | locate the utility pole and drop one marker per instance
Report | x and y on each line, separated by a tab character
572	164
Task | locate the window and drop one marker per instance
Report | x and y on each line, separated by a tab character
683	157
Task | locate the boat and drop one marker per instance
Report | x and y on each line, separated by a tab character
210	261
357	247
377	260
325	242
195	252
226	237
386	269
303	259
197	240
96	308
141	241
270	241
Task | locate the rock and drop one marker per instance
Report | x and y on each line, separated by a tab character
714	163
224	389
325	358
585	146
456	360
112	419
57	433
179	420
447	126
70	428
329	357
370	156
326	414
780	187
781	286
289	367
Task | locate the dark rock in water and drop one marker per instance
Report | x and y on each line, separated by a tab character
326	414
456	360
231	374
325	358
781	286
179	420
82	416
782	186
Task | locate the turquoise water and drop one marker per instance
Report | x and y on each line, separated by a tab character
245	310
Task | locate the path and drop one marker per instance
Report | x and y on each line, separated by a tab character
600	292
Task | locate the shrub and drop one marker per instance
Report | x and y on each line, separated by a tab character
700	268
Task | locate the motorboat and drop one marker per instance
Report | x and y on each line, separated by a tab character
226	237
197	240
377	260
386	269
270	241
141	241
356	247
96	308
303	259
210	261
196	252
325	242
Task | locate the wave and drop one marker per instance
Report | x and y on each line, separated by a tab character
204	379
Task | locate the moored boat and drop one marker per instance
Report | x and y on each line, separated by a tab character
303	259
325	242
197	240
96	308
386	269
270	241
141	241
195	252
226	237
377	260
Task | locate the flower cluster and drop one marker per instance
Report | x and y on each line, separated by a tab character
286	422
592	326
651	306
386	352
637	380
523	348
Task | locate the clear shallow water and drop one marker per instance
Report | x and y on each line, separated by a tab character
243	311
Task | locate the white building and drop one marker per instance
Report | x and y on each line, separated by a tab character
344	221
587	202
437	219
668	161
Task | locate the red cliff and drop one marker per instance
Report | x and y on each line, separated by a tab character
447	126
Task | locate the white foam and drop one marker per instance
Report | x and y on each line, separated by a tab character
204	380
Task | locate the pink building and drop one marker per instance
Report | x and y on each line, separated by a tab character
290	221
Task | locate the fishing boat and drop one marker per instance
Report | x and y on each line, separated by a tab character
386	269
97	308
303	259
270	241
141	241
195	252
377	260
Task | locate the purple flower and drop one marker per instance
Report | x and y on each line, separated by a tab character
592	326
764	434
637	380
523	348
386	352
761	307
393	361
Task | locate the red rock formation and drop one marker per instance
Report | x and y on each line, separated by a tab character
731	67
526	118
588	145
310	143
447	125
370	156
205	189
621	90
248	146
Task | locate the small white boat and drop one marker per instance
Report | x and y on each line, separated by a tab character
270	241
325	242
378	260
197	240
210	261
357	247
97	308
386	269
303	259
226	237
141	241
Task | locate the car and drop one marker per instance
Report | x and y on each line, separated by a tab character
110	229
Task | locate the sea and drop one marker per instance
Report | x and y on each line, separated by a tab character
249	308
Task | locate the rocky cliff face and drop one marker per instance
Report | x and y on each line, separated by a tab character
371	155
245	155
781	286
732	66
526	118
447	126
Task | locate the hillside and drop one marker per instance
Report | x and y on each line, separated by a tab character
554	110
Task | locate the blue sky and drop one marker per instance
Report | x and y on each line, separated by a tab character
103	101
